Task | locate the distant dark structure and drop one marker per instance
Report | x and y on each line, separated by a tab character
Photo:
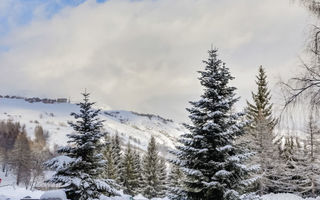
62	100
37	99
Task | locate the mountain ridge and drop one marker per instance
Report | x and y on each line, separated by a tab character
131	126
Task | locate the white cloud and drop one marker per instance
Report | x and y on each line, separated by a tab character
143	55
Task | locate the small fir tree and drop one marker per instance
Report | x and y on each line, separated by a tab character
261	108
162	174
129	173
78	170
151	168
116	157
109	171
137	172
175	183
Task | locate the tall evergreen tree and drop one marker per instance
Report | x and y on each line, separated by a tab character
151	165
260	133
78	170
212	163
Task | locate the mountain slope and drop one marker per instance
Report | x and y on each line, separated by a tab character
134	127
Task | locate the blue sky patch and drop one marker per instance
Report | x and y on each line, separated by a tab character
22	12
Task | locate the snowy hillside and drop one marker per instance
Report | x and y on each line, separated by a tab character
132	126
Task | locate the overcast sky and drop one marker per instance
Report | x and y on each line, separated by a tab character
142	55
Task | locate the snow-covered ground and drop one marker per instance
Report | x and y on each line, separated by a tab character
285	197
9	190
132	126
18	193
11	193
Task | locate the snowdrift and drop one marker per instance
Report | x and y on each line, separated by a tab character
285	197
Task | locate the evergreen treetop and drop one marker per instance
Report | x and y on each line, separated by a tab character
261	108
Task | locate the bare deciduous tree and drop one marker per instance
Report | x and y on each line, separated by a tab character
8	134
20	159
312	5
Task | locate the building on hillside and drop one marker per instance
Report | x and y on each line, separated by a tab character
62	100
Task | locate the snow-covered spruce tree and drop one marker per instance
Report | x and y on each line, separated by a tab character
151	165
138	172
129	173
162	174
212	163
116	157
109	170
175	183
79	168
